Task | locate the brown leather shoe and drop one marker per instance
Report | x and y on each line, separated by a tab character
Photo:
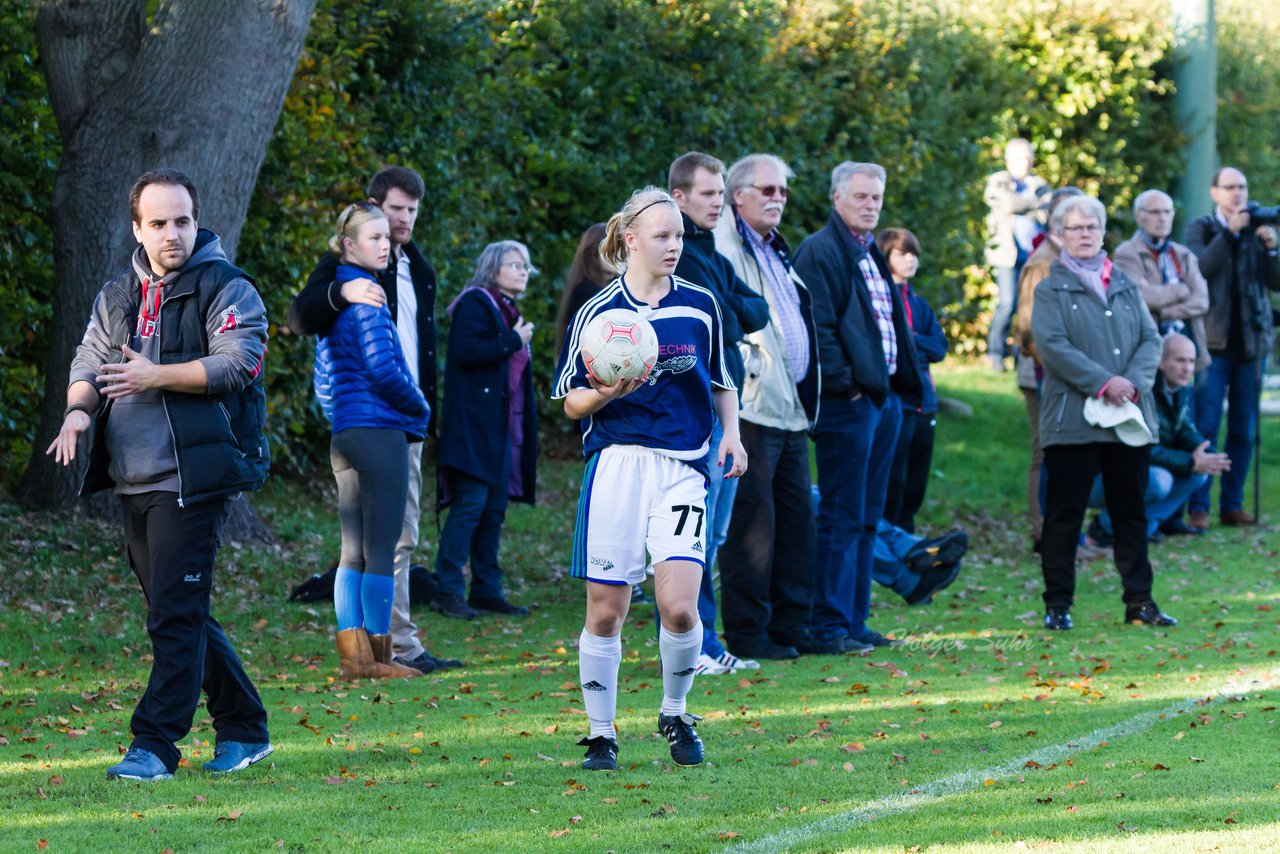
1236	518
1198	519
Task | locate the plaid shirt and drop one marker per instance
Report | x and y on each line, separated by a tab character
785	302
881	300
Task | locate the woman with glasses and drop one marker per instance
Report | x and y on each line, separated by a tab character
1100	350
488	430
368	394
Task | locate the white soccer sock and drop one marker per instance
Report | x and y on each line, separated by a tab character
598	661
679	661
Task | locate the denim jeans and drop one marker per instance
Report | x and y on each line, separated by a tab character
1236	381
855	441
889	567
472	529
1006	304
1166	492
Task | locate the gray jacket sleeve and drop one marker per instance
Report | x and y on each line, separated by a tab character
236	325
95	348
1058	353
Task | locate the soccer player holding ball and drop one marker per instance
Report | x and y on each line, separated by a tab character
645	438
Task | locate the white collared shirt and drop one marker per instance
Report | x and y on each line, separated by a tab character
407	314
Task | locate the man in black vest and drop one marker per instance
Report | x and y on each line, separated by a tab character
408	290
171	366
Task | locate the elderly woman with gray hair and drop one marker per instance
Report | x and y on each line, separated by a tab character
488	429
1100	350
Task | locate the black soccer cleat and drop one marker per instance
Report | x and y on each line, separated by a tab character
602	753
686	747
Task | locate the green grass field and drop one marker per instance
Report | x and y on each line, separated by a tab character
986	732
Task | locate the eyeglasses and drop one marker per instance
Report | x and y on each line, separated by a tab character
1091	228
1156	211
773	190
518	266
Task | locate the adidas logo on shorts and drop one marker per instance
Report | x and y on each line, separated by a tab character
697	546
594	686
686	672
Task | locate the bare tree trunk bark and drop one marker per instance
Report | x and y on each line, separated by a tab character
197	87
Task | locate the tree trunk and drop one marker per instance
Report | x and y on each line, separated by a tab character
199	88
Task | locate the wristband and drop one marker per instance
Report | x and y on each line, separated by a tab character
82	407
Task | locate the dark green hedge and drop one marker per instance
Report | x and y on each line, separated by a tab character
532	120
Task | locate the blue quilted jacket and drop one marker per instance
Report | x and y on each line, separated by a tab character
361	378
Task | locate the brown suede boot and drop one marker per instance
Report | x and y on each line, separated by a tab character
381	646
354	654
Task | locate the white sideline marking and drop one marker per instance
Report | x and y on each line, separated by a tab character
973	779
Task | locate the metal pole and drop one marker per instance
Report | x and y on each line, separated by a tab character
1196	103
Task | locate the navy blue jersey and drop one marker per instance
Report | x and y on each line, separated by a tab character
672	411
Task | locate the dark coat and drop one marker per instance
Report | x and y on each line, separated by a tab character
931	345
849	343
1239	270
742	310
316	308
474	422
1178	434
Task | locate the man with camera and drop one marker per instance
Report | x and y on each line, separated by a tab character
1236	248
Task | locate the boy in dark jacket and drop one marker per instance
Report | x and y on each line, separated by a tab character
913	456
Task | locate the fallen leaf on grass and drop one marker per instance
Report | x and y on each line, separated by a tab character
995	725
854	747
231	816
334	781
200	799
1195	758
545	758
556	834
1159	767
550	729
726	834
42	844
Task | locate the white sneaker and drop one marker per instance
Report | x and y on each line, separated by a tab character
708	666
732	662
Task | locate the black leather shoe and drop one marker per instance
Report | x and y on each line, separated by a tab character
931	581
452	605
939	551
499	606
808	644
1149	614
1176	527
1057	619
764	648
876	639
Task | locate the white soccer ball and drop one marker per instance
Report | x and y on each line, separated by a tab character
619	344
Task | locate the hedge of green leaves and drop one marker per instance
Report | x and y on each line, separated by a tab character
531	120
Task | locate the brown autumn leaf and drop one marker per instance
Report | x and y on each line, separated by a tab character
57	780
556	834
726	834
550	728
995	725
42	844
201	799
854	747
231	816
334	781
1159	767
1031	763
